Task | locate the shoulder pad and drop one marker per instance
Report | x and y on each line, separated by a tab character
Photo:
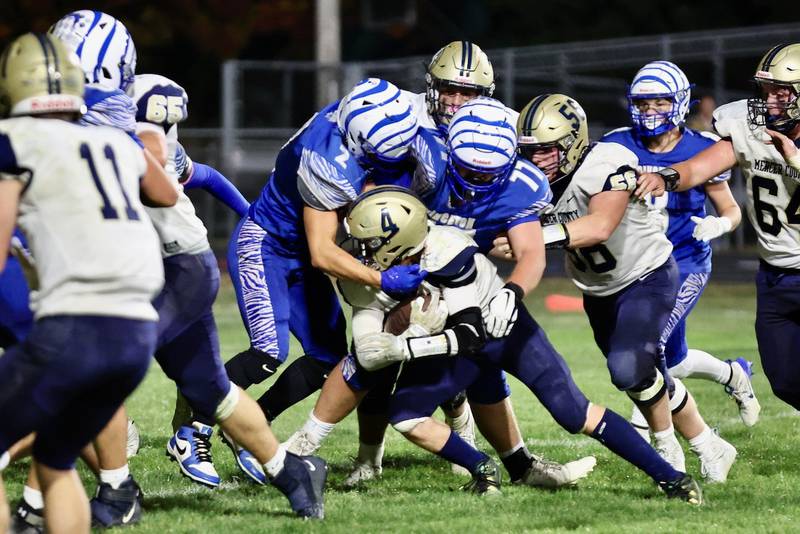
443	245
728	114
159	100
708	135
362	296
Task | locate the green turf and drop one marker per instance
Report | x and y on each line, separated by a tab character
419	494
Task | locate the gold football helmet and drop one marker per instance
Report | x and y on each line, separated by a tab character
779	67
38	74
553	120
387	224
460	64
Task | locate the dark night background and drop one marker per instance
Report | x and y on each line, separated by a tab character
187	40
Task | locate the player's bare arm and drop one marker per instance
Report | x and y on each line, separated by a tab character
10	191
527	242
605	213
155	142
157	189
711	162
326	255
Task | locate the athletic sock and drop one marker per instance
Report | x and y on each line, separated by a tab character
371	454
316	430
458	422
701	442
668	434
517	460
700	364
33	497
115	477
275	464
620	438
458	451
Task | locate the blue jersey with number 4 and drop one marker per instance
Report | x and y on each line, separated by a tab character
693	256
525	193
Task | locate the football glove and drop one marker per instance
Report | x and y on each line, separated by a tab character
501	313
400	280
380	349
427	321
710	227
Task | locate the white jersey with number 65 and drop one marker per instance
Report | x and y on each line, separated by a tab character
636	247
773	196
95	248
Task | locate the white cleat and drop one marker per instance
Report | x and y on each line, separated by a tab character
547	474
299	444
132	446
717	461
741	389
362	472
671	451
465	431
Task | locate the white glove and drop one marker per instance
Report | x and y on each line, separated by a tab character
501	314
710	227
428	321
380	349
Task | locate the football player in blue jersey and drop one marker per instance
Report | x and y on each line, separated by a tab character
16	318
623	264
481	187
659	99
761	134
281	252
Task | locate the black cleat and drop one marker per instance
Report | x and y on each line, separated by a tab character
485	479
302	480
27	520
686	488
121	506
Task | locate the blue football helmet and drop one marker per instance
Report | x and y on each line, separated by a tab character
659	79
482	141
377	124
104	46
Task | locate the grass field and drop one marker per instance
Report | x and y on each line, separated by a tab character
419	494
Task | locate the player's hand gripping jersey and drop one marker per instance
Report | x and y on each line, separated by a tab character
160	105
773	198
521	198
692	255
635	248
81	270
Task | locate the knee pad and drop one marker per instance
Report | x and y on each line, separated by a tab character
251	366
650	391
404	427
227	404
679	397
455	402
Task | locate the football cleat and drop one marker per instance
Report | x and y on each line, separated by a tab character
547	474
132	446
466	432
740	388
27	520
302	480
485	479
299	444
248	464
122	506
191	448
686	488
672	452
717	460
362	472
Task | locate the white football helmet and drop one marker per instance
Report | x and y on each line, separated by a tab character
104	46
376	123
482	141
659	79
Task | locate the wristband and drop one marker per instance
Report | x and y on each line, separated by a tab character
671	178
519	293
555	235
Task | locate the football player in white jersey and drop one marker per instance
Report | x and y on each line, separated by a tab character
659	98
97	264
762	135
622	263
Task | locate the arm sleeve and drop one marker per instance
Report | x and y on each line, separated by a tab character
321	184
211	180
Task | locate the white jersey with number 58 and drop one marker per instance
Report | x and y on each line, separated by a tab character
773	198
95	248
636	247
160	106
